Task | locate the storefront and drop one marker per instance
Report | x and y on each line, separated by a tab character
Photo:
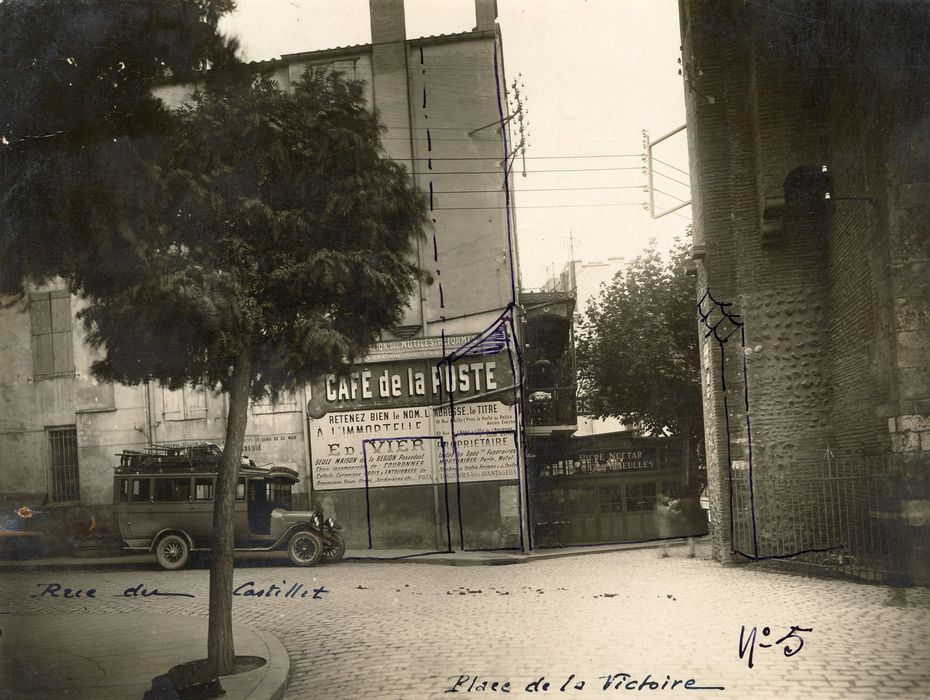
419	447
609	488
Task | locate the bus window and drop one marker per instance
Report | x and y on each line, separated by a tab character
203	489
240	489
141	490
172	489
124	490
258	491
280	493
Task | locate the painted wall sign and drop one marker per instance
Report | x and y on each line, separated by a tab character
407	446
627	460
413	383
415	348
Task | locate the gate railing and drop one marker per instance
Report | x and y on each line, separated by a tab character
838	514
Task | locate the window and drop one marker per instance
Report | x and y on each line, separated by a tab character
203	489
640	497
50	314
610	499
186	403
286	403
135	490
281	493
63	464
141	490
240	489
172	489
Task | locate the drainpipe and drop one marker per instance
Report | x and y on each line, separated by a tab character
305	419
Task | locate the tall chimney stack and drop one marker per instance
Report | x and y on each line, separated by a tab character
387	21
389	74
485	15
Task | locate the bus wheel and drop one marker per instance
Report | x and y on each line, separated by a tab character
334	548
305	548
172	552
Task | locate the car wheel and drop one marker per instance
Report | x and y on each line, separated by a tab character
334	547
305	548
172	552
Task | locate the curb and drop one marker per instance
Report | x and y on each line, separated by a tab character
273	683
136	561
472	558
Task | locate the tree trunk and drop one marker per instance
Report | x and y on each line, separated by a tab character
220	650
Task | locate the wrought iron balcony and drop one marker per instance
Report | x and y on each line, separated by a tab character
551	406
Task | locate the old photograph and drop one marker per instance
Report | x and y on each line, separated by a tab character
438	348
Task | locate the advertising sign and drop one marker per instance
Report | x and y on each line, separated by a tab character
410	446
413	383
626	460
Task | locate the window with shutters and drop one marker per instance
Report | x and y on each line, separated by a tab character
52	351
64	484
186	403
286	402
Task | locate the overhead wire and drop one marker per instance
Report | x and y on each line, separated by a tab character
673	167
668	177
544	189
544	206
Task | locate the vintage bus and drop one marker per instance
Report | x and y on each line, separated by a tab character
163	500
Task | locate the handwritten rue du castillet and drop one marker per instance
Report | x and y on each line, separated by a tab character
247	590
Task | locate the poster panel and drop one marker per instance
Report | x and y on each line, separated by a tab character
409	446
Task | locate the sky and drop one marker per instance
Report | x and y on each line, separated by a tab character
596	73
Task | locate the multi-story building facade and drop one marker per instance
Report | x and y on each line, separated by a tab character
421	445
809	166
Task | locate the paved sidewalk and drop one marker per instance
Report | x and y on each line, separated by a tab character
113	655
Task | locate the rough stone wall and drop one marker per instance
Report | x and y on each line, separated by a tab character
716	89
835	304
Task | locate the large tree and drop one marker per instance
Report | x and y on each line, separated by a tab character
244	243
283	251
637	351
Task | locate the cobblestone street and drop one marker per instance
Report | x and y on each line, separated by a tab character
404	630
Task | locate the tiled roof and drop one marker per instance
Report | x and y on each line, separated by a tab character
362	48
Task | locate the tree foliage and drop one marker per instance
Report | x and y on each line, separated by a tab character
285	232
638	347
80	129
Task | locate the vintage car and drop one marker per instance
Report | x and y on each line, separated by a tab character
163	500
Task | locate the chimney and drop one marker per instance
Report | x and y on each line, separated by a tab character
485	15
387	21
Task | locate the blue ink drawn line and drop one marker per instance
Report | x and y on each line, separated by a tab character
526	542
739	325
490	341
367	495
497	334
445	484
368	486
752	497
507	212
813	550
